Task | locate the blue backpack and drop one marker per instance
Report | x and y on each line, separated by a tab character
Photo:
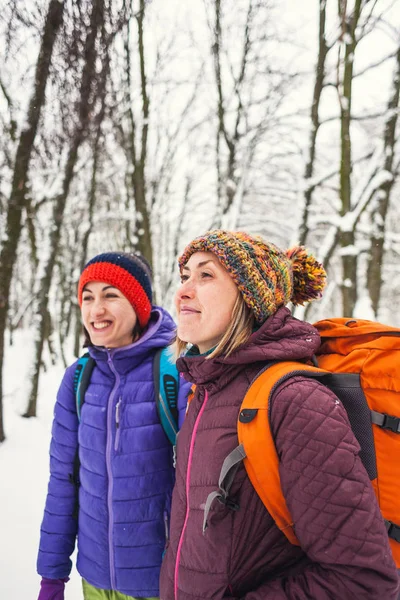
166	387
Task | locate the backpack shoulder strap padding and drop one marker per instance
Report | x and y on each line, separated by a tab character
83	373
166	387
254	432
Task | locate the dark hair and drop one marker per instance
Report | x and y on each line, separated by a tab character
136	333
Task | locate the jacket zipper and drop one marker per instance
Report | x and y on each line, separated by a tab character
189	468
109	472
117	423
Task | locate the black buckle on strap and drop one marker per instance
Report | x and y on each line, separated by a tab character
247	415
391	423
394	531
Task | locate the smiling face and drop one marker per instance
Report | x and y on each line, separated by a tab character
205	301
107	315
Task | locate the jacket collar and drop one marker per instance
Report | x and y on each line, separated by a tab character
159	333
281	337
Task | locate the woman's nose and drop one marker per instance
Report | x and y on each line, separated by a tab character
186	290
98	306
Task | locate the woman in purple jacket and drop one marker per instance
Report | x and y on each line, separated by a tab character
126	467
231	308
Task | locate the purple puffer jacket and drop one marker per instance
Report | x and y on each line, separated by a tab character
126	472
344	552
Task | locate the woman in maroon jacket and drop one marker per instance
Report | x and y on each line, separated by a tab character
231	308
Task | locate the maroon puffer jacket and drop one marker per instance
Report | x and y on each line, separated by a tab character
344	551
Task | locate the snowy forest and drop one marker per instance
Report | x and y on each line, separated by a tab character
138	124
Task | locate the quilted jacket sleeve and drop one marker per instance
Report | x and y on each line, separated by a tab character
59	526
334	509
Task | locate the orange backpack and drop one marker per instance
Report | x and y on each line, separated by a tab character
360	362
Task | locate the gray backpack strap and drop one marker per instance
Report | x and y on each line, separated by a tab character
226	478
386	421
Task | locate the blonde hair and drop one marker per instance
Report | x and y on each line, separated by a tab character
238	332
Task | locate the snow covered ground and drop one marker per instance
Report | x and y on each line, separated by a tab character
24	468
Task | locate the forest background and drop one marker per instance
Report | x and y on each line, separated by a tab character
133	124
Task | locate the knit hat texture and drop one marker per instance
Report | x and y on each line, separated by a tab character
266	276
130	273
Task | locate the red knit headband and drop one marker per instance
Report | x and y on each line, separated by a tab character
121	279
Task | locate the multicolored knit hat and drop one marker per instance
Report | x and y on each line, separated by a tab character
130	273
266	276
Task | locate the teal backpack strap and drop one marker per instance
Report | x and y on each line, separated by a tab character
166	386
83	373
82	376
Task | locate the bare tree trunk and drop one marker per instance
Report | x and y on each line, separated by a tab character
349	258
85	104
221	130
139	173
376	253
315	123
85	239
66	306
135	142
17	201
227	179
